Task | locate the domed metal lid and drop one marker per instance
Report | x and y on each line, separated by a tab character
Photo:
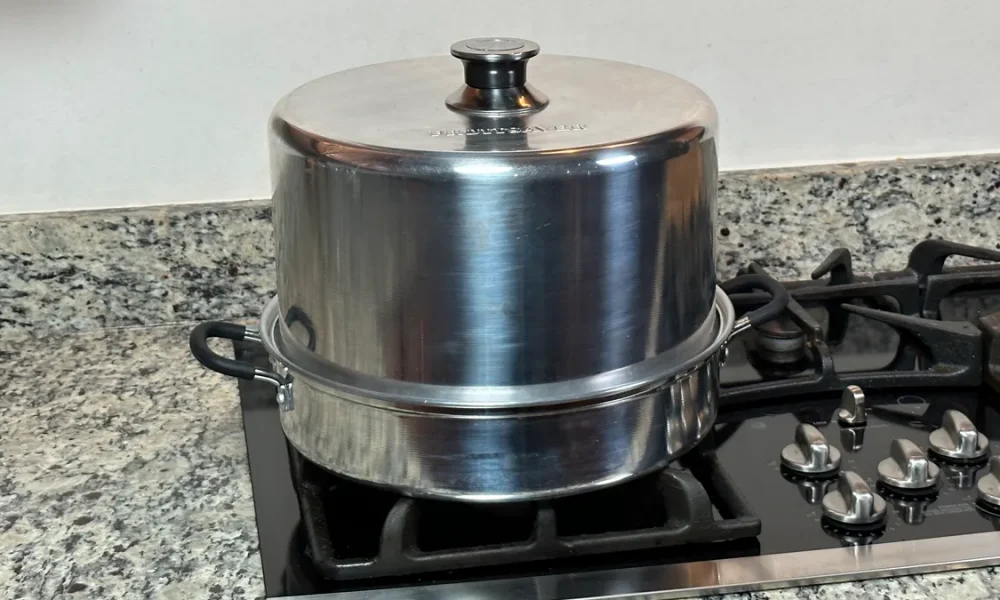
506	103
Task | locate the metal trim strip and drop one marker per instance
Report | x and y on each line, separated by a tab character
726	576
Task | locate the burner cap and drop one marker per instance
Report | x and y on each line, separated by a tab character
780	341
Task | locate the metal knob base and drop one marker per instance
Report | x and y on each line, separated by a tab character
810	455
904	494
857	533
853	504
912	510
958	440
908	470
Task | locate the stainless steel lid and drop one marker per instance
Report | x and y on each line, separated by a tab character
493	99
493	219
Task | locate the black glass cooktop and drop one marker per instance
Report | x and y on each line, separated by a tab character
789	507
914	360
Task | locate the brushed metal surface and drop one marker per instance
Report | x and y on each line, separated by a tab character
852	407
908	468
988	488
958	438
810	454
724	576
708	340
503	457
394	106
454	448
853	502
425	245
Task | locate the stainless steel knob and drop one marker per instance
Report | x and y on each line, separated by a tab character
958	439
963	476
853	503
494	62
989	484
907	468
810	454
852	407
813	490
496	77
852	439
913	509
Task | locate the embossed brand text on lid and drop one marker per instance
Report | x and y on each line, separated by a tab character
506	130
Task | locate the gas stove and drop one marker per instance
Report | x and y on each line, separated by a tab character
853	441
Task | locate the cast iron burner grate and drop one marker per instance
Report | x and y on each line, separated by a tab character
796	353
354	531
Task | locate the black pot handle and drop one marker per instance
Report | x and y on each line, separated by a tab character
216	362
774	307
235	368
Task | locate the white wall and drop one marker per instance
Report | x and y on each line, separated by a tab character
126	102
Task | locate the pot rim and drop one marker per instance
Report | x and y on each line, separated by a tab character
651	373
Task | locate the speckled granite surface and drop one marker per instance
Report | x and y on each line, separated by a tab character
122	463
123	470
83	271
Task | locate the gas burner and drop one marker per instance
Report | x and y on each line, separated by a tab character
780	342
905	305
390	536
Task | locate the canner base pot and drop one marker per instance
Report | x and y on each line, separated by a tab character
495	443
532	443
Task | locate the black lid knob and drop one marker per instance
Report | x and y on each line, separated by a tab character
494	62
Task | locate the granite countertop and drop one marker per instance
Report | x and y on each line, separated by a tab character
124	470
122	462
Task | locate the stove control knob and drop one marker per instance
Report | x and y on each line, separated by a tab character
810	454
907	469
852	439
852	407
989	485
853	503
958	439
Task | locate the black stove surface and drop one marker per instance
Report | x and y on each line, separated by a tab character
791	505
914	340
